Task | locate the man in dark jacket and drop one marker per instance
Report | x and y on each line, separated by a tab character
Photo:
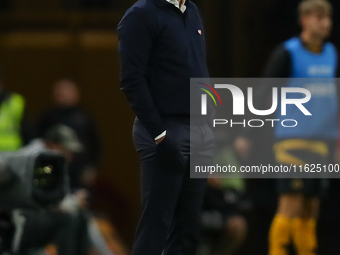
161	46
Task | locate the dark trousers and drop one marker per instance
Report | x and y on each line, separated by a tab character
171	200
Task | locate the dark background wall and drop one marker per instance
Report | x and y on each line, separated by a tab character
41	41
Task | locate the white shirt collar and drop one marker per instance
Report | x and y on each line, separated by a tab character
176	3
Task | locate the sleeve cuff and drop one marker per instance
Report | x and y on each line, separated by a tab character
161	135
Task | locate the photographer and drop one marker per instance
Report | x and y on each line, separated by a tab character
62	224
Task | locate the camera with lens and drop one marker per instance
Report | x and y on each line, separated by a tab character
28	181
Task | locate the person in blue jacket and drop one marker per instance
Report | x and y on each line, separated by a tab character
312	58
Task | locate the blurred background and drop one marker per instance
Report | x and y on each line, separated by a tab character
42	42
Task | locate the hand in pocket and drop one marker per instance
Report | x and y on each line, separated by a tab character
169	152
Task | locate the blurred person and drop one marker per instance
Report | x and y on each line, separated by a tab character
67	111
64	224
306	56
161	46
224	224
71	225
58	138
225	205
261	192
15	130
62	139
